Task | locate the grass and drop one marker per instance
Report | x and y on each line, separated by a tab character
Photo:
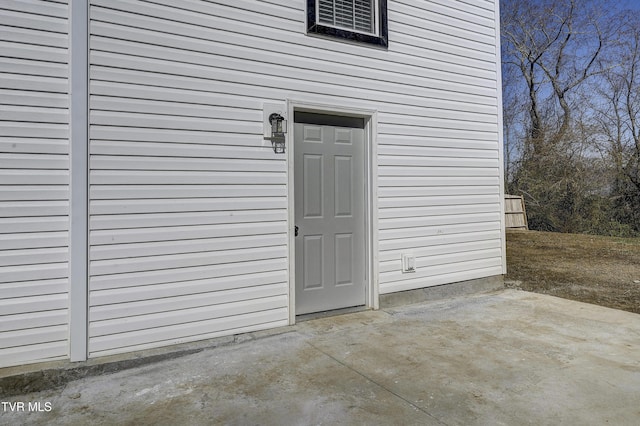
587	268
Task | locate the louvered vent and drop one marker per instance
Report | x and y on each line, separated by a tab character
352	14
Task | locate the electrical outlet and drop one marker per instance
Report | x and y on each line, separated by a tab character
408	263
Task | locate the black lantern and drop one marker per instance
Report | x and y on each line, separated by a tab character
278	129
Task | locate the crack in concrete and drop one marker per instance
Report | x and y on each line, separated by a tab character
397	395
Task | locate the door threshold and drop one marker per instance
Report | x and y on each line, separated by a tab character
331	313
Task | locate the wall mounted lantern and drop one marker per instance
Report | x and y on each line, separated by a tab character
278	129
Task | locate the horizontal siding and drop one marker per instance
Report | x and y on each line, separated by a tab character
40	321
32	146
167	291
446	274
185	246
107	222
21	18
429	264
152	263
34	181
185	191
391	248
16	290
38	352
180	303
21	240
139	177
182	233
34	271
439	181
162	276
188	231
36	99
188	203
267	87
106	162
32	224
167	314
34	209
176	61
220	21
103	207
188	332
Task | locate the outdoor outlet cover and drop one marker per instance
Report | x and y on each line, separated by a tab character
408	263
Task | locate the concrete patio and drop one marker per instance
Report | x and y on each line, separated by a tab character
504	358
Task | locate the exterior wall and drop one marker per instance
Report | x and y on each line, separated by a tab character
188	203
439	165
188	208
34	177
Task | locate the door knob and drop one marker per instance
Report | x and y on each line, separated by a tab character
296	230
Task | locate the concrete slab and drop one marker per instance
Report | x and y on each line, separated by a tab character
506	358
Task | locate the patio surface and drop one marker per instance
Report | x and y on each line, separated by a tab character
503	358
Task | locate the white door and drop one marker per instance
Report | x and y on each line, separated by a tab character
329	213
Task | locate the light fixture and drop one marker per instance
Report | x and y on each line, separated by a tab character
278	129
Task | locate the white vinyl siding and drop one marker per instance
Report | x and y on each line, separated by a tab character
34	181
188	202
188	214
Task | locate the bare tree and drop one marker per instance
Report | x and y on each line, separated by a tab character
556	46
555	53
619	119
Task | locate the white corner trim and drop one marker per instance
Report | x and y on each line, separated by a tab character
500	137
78	179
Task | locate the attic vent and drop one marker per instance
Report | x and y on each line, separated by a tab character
351	14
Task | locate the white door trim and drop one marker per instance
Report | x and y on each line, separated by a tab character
371	203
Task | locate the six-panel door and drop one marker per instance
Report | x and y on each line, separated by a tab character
330	215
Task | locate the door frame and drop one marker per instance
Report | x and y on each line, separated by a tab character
371	199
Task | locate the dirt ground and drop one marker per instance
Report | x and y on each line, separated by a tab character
594	269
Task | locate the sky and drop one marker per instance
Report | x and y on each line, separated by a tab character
632	4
